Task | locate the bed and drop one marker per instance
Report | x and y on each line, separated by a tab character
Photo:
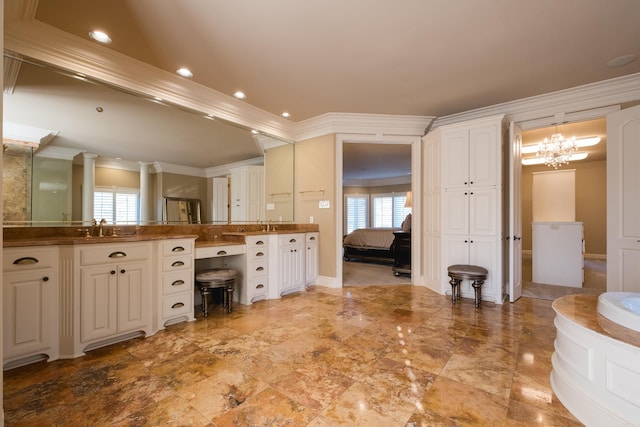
369	244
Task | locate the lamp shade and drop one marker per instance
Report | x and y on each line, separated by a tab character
408	201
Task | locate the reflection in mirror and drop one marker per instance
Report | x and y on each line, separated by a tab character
181	211
63	116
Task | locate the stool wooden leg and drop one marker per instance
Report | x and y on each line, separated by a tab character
204	292
229	295
477	285
455	290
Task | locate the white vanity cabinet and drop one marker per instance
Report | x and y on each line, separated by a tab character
256	280
471	201
114	289
311	261
174	285
30	307
291	263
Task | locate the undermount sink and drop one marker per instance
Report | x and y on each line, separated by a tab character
622	308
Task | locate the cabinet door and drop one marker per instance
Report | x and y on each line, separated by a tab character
484	156
483	252
483	215
98	302
455	159
455	213
29	300
133	296
311	264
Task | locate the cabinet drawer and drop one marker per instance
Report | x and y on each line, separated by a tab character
257	286
256	241
312	237
114	253
20	259
257	267
180	281
257	253
176	305
216	251
174	263
177	247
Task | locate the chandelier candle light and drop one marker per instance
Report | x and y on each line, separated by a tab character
558	151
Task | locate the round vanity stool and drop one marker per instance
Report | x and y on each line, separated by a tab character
216	278
460	272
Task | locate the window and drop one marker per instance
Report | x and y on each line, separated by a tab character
116	205
389	210
356	212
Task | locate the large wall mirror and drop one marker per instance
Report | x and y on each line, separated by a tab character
53	117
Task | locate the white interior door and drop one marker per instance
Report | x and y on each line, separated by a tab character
515	214
623	200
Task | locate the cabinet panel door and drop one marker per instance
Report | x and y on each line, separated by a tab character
455	159
133	297
455	214
484	156
483	253
311	264
28	316
482	213
98	303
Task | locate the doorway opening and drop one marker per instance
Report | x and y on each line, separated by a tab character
590	210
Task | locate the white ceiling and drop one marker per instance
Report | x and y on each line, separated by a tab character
415	57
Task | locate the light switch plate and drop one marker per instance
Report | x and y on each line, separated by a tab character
324	204
271	206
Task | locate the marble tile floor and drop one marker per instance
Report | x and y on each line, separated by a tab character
356	356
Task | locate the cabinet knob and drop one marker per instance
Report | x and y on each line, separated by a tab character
45	279
122	271
113	272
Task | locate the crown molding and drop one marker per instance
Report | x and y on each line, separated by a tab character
580	98
355	123
377	182
42	42
160	167
61	153
225	170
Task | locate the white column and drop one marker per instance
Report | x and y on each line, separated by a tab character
145	217
88	186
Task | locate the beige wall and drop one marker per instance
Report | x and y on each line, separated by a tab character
278	181
315	170
591	203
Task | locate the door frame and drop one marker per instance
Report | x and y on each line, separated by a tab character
416	189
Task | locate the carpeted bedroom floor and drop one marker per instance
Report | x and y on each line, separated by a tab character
355	273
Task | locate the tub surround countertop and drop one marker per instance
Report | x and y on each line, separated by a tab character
583	310
206	235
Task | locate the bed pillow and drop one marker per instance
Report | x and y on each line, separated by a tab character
406	224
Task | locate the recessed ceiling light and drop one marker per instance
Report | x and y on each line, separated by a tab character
621	61
184	72
100	37
285	115
255	132
240	95
209	116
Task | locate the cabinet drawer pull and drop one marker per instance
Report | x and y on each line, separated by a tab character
259	242
177	249
312	238
260	254
178	283
26	260
45	279
292	241
177	264
221	253
178	305
259	286
117	254
259	268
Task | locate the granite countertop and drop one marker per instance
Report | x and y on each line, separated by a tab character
54	241
583	310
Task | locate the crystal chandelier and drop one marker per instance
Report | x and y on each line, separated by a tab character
558	151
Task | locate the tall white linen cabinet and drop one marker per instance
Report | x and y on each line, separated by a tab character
463	193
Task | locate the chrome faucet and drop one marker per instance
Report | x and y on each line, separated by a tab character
101	227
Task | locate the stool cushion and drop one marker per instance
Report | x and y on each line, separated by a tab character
216	274
467	270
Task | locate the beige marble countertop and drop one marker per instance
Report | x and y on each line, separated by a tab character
583	310
66	240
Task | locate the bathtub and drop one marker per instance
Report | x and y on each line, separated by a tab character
596	362
622	308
